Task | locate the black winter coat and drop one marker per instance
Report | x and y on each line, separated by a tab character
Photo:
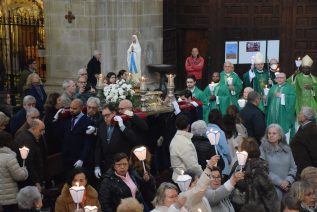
254	121
93	67
113	189
205	151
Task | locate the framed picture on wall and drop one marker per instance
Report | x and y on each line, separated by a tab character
231	51
273	49
247	49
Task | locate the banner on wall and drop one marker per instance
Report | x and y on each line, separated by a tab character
231	51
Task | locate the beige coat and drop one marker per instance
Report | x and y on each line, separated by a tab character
183	154
10	172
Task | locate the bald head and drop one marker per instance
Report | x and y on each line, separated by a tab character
76	106
228	67
37	128
125	105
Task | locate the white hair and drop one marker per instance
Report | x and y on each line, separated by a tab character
93	100
27	196
28	99
66	83
199	128
82	70
96	52
31	110
309	113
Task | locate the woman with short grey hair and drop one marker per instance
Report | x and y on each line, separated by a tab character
282	167
202	145
29	199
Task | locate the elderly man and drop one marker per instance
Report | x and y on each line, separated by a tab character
194	65
257	77
77	142
94	68
281	105
68	95
114	136
253	117
305	85
20	117
31	114
35	160
138	125
83	92
304	145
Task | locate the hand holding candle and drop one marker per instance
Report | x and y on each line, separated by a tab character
266	90
140	153
242	158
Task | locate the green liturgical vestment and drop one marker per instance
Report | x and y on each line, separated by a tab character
198	94
258	82
237	84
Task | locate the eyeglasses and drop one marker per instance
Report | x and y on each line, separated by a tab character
215	177
106	115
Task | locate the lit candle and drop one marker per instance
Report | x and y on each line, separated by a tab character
213	137
242	158
266	90
142	84
277	72
140	153
77	193
199	210
100	79
183	182
298	62
89	208
229	80
170	80
24	151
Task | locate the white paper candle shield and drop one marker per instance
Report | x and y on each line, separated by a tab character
242	103
140	153
89	208
24	151
298	62
77	193
282	99
266	90
242	157
229	80
213	136
183	182
212	87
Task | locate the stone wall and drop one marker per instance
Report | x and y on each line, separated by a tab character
106	25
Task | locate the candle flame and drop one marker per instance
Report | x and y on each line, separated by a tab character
298	58
278	69
182	172
77	184
265	86
199	210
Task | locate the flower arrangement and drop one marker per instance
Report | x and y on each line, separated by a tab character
117	92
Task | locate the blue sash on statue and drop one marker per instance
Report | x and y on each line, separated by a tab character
132	65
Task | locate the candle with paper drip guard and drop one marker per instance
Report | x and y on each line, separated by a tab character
242	103
77	193
24	151
277	72
183	181
242	158
140	153
266	90
213	137
298	63
100	80
229	80
142	84
212	86
89	208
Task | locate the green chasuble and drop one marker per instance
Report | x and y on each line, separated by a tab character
258	83
199	95
304	97
222	94
279	111
237	84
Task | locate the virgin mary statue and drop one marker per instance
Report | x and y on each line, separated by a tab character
134	59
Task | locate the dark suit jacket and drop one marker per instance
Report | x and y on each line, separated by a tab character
119	142
254	121
93	68
76	143
39	100
17	120
34	162
304	147
140	128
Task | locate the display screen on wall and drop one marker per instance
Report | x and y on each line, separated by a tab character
231	51
247	49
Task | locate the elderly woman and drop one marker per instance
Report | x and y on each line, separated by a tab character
29	199
65	203
130	205
218	195
10	172
35	88
120	182
309	174
215	120
202	145
256	187
304	194
282	167
167	199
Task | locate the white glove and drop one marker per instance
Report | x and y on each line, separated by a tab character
90	130
78	163
97	172
176	107
128	113
194	103
119	120
251	75
57	114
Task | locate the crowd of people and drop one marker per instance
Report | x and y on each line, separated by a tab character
270	117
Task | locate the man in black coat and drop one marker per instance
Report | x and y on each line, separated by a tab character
35	160
253	117
114	136
20	117
304	144
93	68
76	142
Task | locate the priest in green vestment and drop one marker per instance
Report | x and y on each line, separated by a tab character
281	104
257	77
305	86
198	94
243	100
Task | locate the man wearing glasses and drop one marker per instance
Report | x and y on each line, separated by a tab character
114	136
